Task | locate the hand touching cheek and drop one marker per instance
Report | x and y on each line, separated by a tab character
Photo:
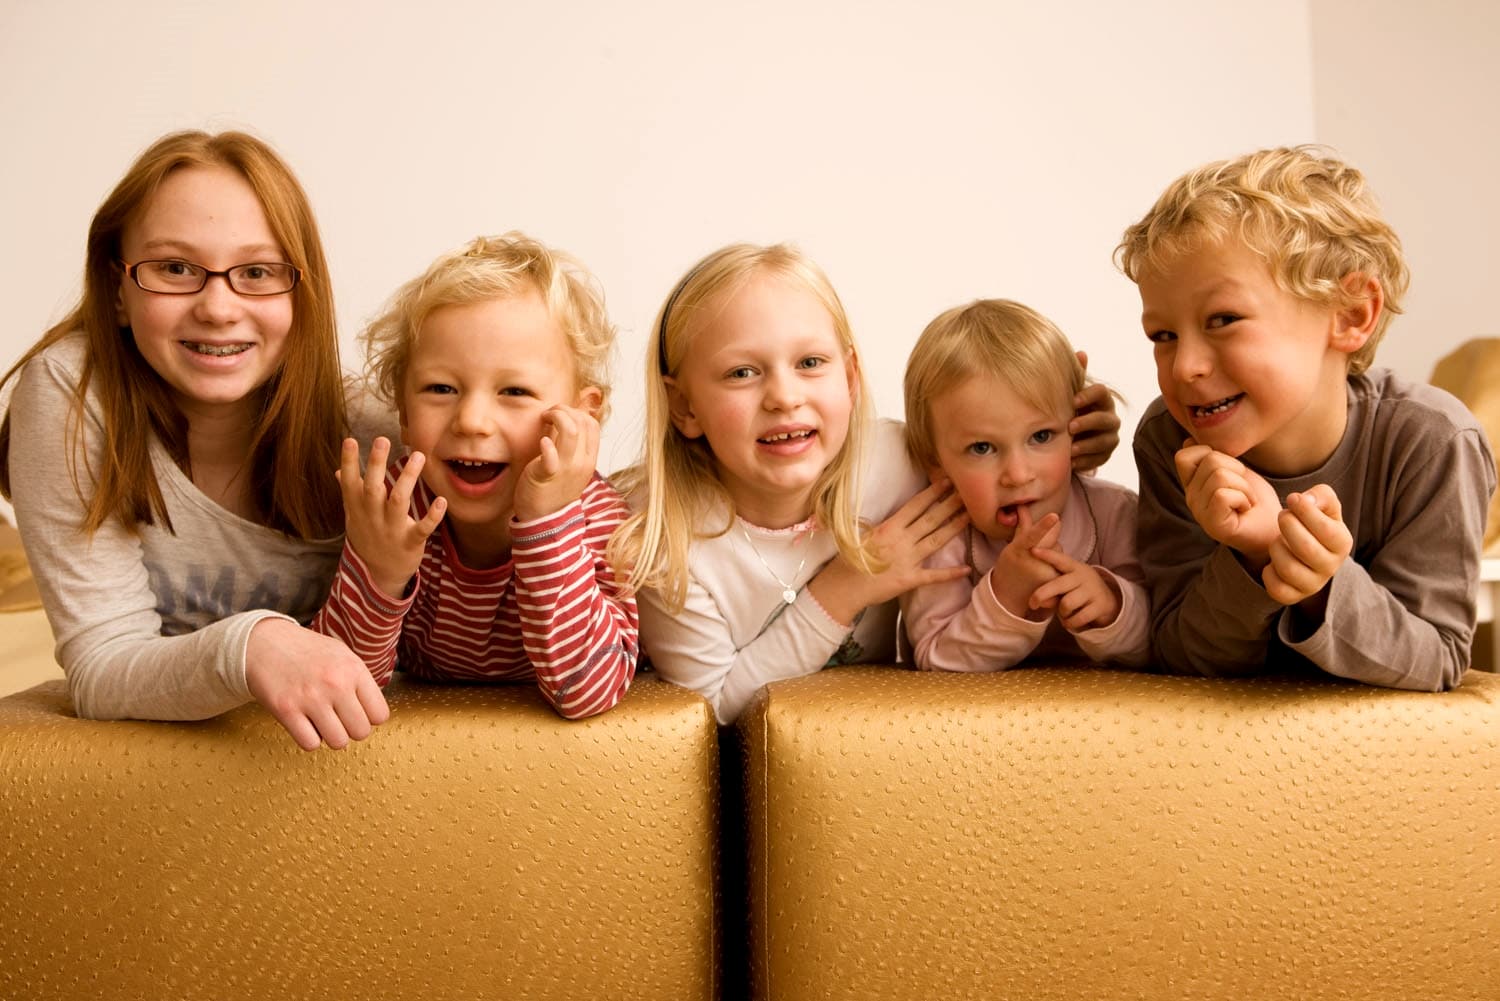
564	466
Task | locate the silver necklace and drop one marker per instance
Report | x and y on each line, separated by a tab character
788	592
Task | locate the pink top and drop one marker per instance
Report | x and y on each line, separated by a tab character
960	625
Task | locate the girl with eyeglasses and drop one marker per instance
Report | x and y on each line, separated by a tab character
169	445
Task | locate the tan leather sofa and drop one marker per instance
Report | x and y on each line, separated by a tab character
478	846
1042	833
1077	833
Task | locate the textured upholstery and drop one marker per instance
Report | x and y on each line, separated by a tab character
1071	833
477	846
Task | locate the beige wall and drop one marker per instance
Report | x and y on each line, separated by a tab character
924	153
1408	92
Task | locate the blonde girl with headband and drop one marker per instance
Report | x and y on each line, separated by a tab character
776	519
1049	556
168	445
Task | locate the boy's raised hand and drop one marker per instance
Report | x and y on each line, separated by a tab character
1095	427
1017	573
1230	501
1083	597
1312	545
563	468
377	522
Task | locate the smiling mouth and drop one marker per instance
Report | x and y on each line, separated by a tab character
776	439
215	350
1217	407
475	472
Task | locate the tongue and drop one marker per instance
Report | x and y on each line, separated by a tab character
480	473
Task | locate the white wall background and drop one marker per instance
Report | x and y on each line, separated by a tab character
925	154
1409	92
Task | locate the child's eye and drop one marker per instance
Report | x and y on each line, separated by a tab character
1043	436
812	361
742	372
1160	336
980	448
516	391
438	388
1219	320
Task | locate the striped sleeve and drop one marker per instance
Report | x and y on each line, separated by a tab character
361	615
580	634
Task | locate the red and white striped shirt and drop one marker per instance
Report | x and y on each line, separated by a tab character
552	614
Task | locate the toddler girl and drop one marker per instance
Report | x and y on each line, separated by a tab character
1048	557
480	555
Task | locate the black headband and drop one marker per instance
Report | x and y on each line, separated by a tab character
666	311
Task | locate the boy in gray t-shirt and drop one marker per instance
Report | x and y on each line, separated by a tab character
1296	506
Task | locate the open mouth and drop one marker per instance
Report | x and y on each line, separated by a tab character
1215	408
786	436
1009	515
474	472
215	350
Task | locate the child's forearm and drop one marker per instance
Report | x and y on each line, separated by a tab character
970	634
692	647
581	636
363	616
1127	639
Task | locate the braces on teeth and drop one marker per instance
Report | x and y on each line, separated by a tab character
217	350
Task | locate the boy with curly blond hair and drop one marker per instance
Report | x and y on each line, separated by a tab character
1297	506
479	555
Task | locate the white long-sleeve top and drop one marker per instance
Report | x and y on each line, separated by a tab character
735	633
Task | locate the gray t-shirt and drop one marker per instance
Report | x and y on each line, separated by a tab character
151	625
1413	475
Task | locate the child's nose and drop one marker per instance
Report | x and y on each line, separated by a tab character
1190	360
217	303
783	390
474	415
1015	470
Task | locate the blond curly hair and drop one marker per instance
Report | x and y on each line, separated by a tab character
494	267
1309	214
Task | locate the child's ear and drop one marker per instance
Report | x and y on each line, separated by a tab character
851	371
1354	324
681	410
590	398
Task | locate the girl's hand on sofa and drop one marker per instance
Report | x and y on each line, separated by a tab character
378	524
313	684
